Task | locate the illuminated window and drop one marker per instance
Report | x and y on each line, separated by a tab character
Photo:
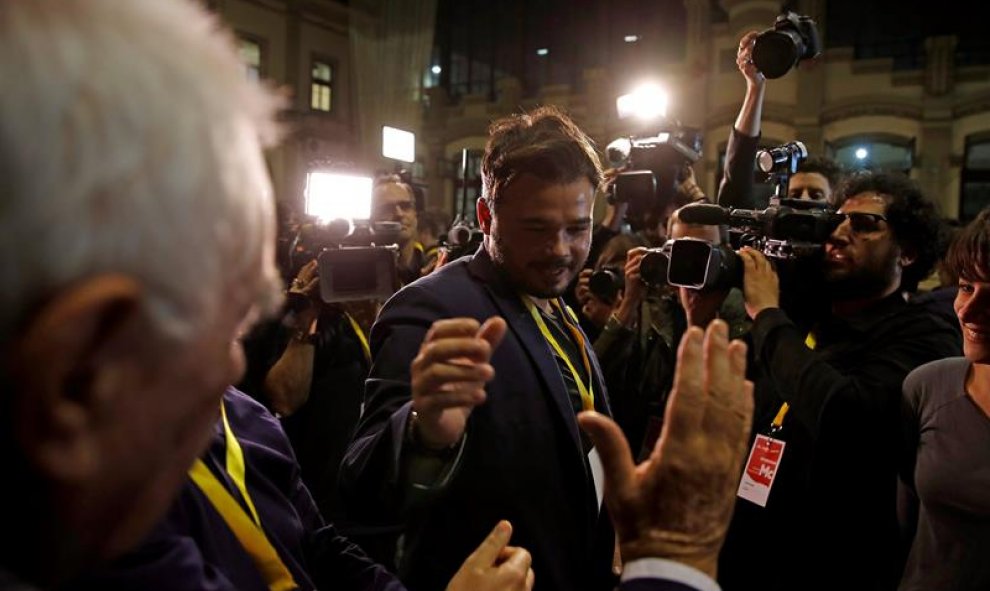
974	194
321	87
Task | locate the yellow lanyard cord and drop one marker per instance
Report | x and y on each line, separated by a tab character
235	464
247	531
587	392
360	335
811	342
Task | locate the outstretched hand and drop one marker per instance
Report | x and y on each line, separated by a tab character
495	566
677	504
449	376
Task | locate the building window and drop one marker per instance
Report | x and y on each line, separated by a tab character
874	152
321	87
975	183
250	52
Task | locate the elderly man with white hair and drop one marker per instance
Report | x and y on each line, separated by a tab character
136	240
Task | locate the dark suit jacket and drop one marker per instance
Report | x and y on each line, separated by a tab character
523	458
193	549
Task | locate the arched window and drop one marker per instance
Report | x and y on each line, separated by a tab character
889	153
974	193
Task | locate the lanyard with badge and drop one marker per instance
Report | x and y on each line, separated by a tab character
587	392
766	454
244	524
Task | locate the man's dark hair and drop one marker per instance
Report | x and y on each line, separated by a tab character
544	143
912	219
828	168
969	253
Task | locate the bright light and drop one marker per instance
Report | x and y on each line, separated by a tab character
331	196
436	70
861	153
631	38
543	51
398	144
648	101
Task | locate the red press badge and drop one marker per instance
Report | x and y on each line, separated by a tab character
761	469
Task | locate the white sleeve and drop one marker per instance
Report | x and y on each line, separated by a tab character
669	570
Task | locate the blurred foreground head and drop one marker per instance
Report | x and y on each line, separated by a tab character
136	239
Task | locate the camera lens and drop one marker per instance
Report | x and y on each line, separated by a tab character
776	51
653	268
606	283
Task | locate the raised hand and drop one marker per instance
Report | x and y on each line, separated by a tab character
449	376
677	504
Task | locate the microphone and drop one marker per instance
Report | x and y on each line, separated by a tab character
703	213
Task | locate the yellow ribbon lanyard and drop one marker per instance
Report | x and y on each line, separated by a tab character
778	421
587	392
360	335
246	528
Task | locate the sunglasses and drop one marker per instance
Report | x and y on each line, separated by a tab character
861	222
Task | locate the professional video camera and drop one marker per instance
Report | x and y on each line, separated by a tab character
651	168
793	38
793	230
356	259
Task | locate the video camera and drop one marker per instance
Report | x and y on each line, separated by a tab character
796	229
651	169
357	260
793	38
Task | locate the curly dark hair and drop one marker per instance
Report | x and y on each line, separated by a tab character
544	142
828	168
969	253
913	219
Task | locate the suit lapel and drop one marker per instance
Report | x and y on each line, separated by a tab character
511	308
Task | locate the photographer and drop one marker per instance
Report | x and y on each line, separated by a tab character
816	178
393	201
309	367
831	397
637	345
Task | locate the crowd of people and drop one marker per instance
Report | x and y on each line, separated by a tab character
183	410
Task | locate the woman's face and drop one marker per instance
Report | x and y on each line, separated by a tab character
973	310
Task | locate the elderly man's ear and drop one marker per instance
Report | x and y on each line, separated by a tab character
70	363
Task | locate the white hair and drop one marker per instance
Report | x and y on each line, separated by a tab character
129	143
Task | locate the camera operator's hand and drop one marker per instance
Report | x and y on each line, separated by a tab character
761	287
744	60
306	286
688	185
495	565
634	290
582	291
448	377
677	504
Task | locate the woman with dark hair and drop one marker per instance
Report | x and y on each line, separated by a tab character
945	478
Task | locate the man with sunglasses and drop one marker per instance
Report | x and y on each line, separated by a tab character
827	400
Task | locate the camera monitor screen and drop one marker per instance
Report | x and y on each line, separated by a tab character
332	196
689	262
357	273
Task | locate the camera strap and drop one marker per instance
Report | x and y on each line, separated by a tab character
360	335
244	524
586	391
778	421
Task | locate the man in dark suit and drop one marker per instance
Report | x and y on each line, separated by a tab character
451	456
